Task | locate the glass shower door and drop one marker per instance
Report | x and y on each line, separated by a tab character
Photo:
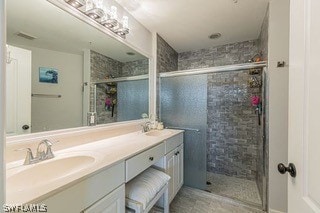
132	99
183	105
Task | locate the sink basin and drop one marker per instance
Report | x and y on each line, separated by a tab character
39	174
156	133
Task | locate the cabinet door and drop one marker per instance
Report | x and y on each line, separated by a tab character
112	203
180	166
176	171
170	172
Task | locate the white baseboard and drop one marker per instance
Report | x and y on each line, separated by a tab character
275	211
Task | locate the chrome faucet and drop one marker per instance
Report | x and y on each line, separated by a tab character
44	152
146	127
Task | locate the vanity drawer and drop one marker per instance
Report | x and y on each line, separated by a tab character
142	161
173	142
85	193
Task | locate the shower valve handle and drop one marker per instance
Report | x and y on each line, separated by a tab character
291	169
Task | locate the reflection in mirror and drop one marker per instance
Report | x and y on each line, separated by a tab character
60	69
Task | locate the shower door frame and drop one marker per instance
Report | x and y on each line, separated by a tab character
238	67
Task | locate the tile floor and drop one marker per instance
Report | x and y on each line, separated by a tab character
235	188
189	200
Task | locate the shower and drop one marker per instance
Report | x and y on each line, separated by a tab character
222	110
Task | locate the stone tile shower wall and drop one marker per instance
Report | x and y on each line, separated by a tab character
103	67
236	53
234	137
232	133
132	68
167	61
167	57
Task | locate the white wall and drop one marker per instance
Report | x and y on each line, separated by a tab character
2	100
278	102
57	113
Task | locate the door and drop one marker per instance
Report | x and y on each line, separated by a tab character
18	90
170	172
180	166
176	171
184	106
304	105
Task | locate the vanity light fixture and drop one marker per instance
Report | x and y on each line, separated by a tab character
76	3
110	19
94	9
97	11
123	28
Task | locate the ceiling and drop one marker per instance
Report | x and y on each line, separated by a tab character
57	30
186	24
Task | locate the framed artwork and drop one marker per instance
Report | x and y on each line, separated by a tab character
48	75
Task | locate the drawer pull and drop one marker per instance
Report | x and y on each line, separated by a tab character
151	158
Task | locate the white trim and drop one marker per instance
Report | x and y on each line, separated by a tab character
275	211
2	100
54	133
86	88
153	78
227	68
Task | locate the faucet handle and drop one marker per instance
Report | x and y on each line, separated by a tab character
49	153
46	153
29	157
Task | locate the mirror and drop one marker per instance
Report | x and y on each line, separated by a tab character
60	70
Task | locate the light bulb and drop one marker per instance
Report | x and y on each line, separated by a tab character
89	5
125	22
113	12
99	4
105	11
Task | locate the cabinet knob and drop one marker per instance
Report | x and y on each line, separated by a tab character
151	158
177	153
25	127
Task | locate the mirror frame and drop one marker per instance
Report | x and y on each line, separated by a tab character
74	12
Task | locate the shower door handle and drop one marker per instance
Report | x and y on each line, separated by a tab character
291	169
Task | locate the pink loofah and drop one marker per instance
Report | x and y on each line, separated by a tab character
255	100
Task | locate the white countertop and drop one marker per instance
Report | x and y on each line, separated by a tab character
106	152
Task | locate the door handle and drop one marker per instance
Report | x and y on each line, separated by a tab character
25	127
291	169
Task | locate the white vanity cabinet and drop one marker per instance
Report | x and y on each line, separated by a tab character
174	168
172	163
101	192
112	203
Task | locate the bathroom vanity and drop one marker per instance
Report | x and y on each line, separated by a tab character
91	177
